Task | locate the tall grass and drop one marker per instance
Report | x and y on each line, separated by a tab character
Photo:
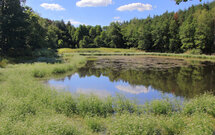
196	124
97	50
27	106
41	70
201	104
128	52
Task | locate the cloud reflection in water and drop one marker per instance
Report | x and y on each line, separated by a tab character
133	89
99	93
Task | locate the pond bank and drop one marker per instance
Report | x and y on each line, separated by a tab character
129	52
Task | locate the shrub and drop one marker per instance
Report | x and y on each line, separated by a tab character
129	124
95	124
22	109
44	52
159	107
70	67
93	106
194	51
59	70
199	124
3	63
57	125
172	125
202	104
39	73
65	104
47	59
122	104
132	124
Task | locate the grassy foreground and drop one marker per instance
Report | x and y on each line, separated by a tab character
27	106
133	51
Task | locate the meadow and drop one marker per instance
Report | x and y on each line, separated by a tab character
129	52
29	106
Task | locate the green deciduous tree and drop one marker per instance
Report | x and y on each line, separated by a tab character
84	42
22	31
80	32
115	36
13	24
179	1
160	33
36	33
92	32
187	31
203	31
130	33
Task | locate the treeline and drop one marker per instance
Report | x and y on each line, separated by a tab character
23	32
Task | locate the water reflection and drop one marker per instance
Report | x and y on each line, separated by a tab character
100	93
187	80
133	89
142	78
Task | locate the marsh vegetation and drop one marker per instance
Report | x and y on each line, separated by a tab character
28	106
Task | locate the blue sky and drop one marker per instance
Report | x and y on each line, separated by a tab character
103	12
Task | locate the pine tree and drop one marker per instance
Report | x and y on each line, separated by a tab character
145	36
174	39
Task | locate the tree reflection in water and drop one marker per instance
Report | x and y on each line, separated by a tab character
187	80
141	78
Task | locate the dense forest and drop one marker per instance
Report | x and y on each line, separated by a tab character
24	33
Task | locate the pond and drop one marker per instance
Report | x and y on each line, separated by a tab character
141	78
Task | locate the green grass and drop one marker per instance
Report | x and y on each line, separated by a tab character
28	106
128	52
196	124
97	50
42	70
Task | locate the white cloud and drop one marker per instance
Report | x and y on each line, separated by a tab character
55	7
133	89
93	3
135	6
116	18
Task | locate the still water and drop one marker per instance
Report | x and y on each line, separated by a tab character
141	78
